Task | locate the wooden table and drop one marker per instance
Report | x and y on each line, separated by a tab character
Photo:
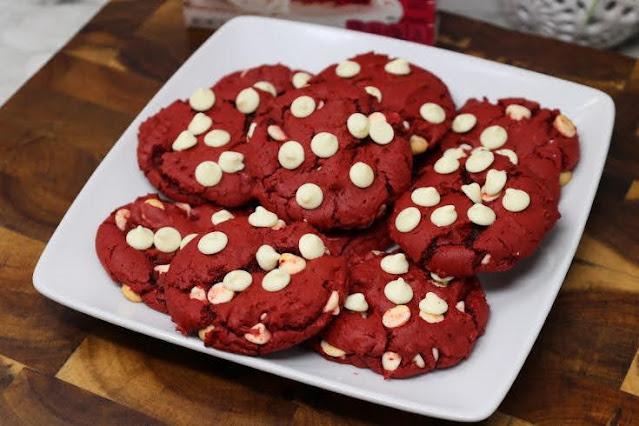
59	366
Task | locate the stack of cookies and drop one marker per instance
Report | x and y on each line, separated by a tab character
347	211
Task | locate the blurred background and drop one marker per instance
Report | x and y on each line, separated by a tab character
31	31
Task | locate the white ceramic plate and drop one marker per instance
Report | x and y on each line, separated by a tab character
69	271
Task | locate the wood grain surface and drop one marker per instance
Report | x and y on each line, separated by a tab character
58	366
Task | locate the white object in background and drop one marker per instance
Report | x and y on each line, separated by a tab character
598	23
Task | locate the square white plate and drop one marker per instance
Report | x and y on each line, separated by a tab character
69	271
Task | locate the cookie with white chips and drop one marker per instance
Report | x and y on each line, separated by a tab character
138	241
325	155
255	285
542	139
400	320
420	97
473	210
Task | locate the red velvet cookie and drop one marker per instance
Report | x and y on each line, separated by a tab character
255	285
325	155
474	211
360	241
420	97
401	321
543	139
194	151
138	241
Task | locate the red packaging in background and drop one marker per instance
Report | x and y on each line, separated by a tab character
412	20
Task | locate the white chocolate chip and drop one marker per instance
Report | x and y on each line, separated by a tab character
300	79
443	216
398	67
419	361
332	304
486	259
479	161
361	174
398	291
203	332
518	112
276	280
375	92
433	304
564	178
394	264
247	101
461	306
331	350
140	238
267	257
358	125
303	106
493	137
376	116
291	263
510	154
472	191
208	173
457	153
185	207
200	124
291	155
155	203
217	138
218	293
185	140
446	164
356	302
565	126
464	123
162	269
481	215
515	200
495	182
202	99
408	219
258	334
262	218
213	242
432	113
279	225
429	318
311	246
435	352
391	361
418	144
251	130
406	124
187	240
167	239
324	144
443	280
221	216
231	161
237	280
276	132
129	294
121	218
425	196
381	132
347	69
197	293
309	196
266	87
396	316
